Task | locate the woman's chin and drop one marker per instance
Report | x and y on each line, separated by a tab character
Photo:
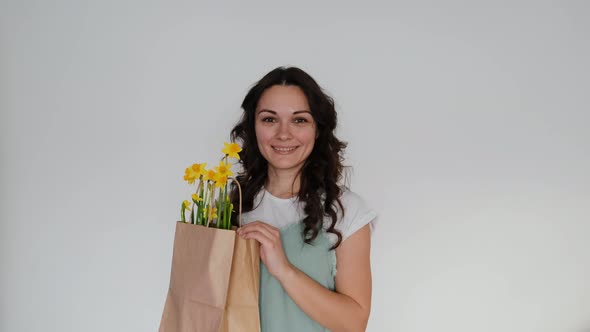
283	165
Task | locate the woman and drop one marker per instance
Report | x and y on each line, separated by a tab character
314	235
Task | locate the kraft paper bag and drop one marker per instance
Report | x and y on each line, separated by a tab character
214	282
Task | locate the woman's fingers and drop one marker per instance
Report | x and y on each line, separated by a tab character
271	247
269	231
268	236
256	224
260	237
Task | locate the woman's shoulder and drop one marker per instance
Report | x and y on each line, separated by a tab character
349	197
356	214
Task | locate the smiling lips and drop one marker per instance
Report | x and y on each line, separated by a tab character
284	150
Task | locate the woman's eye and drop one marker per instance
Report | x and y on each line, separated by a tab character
268	119
300	120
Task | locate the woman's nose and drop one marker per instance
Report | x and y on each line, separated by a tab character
284	131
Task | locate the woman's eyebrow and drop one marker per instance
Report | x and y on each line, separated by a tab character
269	111
302	111
273	112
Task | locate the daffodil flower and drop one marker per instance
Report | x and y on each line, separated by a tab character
223	169
231	150
190	175
211	175
185	206
196	198
199	169
213	213
221	181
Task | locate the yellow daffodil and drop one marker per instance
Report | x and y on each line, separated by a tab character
210	175
213	214
190	175
196	198
221	181
231	150
194	172
223	169
199	169
186	205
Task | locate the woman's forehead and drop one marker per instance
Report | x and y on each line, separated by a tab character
280	98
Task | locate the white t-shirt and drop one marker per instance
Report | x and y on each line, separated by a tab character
282	212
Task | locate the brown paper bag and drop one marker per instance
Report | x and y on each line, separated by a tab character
214	282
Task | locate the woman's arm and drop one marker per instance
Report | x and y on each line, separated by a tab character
348	308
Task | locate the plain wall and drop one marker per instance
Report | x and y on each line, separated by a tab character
467	125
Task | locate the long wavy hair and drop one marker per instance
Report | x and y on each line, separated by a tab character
321	172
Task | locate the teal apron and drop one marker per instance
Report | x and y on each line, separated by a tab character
278	313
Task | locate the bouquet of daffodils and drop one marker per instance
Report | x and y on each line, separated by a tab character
215	275
211	205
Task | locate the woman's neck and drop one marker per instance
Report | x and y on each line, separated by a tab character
283	183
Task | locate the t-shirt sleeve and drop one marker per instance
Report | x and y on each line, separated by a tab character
356	214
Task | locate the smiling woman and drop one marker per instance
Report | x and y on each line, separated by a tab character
308	225
285	130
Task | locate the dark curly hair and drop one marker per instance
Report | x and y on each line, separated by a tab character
321	171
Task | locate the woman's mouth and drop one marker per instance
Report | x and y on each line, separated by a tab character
284	149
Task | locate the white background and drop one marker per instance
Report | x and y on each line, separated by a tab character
468	131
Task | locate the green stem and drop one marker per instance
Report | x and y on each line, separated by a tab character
226	210
207	204
225	202
219	202
200	203
224	207
210	203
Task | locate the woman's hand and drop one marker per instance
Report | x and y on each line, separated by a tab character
271	247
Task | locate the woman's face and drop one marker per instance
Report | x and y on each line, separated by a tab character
285	129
